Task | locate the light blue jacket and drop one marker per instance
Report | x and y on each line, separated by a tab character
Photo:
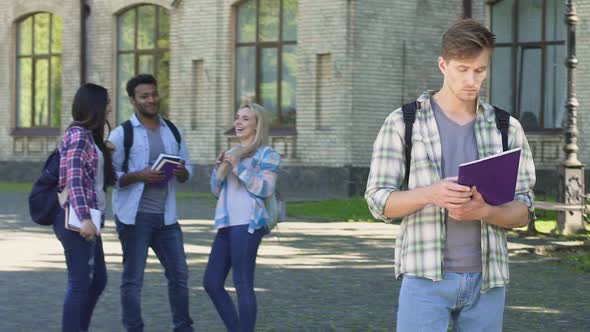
126	199
259	176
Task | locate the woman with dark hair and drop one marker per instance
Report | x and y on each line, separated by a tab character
85	170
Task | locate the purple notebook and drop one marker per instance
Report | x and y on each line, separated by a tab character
167	167
494	176
166	163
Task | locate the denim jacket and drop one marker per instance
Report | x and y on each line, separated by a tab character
258	175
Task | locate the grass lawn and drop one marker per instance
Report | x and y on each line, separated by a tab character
26	187
352	209
16	187
191	195
579	262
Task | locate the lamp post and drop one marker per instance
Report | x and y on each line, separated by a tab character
570	219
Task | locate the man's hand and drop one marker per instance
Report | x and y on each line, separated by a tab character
88	230
475	209
110	146
147	175
181	172
448	194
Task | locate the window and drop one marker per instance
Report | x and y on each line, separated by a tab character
143	47
528	75
266	57
467	8
38	71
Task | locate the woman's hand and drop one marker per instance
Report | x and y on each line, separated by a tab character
219	159
232	159
88	230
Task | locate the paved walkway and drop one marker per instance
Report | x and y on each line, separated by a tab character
318	277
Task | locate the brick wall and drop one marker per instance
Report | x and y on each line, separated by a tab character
395	51
357	62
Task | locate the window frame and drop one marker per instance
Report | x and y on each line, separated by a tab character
33	129
516	47
259	46
467	8
156	52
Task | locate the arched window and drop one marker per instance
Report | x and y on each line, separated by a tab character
38	71
528	73
266	57
143	47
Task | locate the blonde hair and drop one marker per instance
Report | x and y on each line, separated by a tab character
260	139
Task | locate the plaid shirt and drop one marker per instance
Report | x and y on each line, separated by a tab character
259	176
77	167
421	238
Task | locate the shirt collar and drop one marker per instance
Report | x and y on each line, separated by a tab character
484	109
136	123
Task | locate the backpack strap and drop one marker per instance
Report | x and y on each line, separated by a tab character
127	143
174	130
502	123
128	139
409	111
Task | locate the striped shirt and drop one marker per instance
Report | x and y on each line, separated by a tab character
258	175
421	238
77	168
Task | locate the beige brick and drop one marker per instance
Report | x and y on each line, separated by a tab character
357	62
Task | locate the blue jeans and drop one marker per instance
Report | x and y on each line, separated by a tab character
166	241
425	305
87	276
233	247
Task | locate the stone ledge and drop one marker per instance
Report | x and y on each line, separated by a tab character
558	206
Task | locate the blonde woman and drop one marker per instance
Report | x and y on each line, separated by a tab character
243	177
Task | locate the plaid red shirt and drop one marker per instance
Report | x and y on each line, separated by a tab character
77	167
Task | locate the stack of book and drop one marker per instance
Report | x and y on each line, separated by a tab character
166	163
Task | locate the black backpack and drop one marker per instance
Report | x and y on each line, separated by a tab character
43	202
409	111
128	139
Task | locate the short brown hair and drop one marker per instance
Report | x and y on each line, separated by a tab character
466	38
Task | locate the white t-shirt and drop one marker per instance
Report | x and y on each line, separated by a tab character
99	181
239	201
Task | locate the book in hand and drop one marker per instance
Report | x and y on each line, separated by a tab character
73	223
166	163
494	176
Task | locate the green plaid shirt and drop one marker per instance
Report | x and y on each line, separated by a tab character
421	239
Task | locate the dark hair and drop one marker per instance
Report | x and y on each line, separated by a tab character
137	80
466	38
89	111
88	108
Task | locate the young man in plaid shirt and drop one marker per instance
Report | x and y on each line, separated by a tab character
451	248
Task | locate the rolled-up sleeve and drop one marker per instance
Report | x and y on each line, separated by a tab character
76	159
116	138
183	153
526	172
261	180
387	167
216	184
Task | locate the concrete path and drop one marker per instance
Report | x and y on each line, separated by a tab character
315	277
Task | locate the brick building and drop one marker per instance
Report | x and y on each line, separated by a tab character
331	71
